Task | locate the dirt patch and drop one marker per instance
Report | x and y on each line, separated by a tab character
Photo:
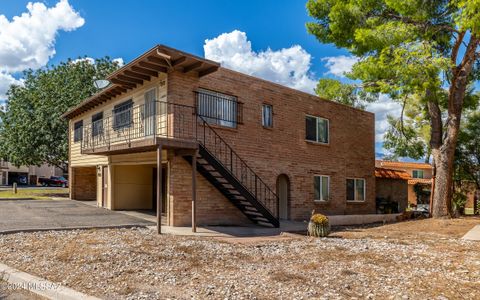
412	260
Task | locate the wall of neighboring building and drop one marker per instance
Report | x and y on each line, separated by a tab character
395	190
283	149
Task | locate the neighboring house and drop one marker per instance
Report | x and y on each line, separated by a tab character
391	190
420	183
26	175
263	151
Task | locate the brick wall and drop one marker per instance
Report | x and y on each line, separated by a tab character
212	207
83	183
283	149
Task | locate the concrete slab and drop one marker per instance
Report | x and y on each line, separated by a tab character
41	215
473	234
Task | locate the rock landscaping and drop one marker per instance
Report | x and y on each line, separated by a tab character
354	263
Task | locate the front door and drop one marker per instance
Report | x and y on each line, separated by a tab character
282	193
104	186
150	112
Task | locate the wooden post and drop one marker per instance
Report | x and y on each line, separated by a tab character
159	189
194	191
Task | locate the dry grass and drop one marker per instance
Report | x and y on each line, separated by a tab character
34	193
410	231
421	259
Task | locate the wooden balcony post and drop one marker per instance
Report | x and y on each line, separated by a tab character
159	189
194	191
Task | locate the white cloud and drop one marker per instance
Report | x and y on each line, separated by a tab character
5	81
87	59
287	66
28	40
383	107
339	65
119	60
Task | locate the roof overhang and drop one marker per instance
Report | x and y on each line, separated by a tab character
159	59
391	174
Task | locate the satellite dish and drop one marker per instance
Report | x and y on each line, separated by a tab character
101	83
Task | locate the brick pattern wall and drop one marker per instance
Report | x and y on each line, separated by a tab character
283	149
84	183
212	207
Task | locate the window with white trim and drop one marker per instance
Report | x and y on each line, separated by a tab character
317	129
417	173
267	116
321	188
355	189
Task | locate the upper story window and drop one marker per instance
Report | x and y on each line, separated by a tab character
122	115
317	129
217	108
97	124
78	131
355	189
267	116
321	185
417	173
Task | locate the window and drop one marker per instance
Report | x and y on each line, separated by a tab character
217	108
322	187
97	124
78	131
267	116
122	115
317	129
417	173
355	189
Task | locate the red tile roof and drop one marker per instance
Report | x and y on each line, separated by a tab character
399	164
391	174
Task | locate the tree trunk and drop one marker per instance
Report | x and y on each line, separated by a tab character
443	152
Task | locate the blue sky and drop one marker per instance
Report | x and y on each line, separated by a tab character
111	28
125	29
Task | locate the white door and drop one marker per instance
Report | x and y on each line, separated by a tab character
150	112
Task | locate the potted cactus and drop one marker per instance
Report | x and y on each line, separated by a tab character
318	226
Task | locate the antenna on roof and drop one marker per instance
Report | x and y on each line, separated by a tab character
100	83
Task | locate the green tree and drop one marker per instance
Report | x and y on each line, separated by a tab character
32	131
346	93
418	50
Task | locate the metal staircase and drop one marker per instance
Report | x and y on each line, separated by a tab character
231	175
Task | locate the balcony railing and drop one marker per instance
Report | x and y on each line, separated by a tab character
156	119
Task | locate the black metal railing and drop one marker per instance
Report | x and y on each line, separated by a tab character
170	120
155	119
219	110
236	166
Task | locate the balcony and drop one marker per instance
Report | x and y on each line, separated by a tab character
141	128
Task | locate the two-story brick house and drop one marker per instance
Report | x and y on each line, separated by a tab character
263	151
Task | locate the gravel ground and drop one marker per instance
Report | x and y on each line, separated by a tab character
138	264
9	292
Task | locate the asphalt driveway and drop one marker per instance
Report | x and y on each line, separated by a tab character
33	215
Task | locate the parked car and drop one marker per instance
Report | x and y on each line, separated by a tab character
53	181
